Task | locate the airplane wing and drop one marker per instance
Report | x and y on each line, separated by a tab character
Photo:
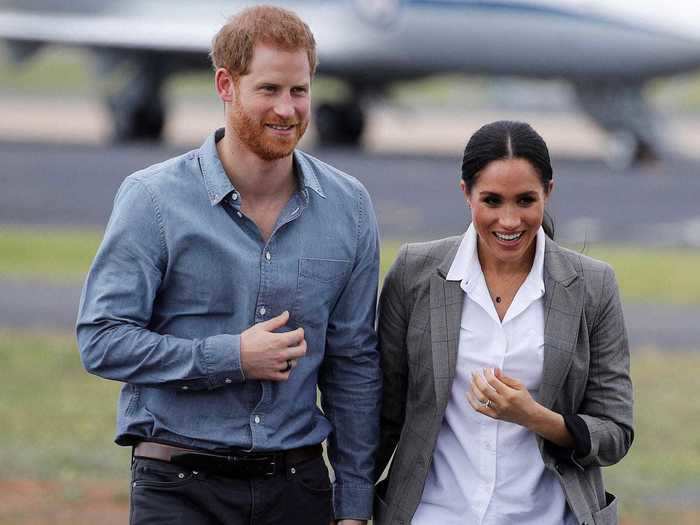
110	31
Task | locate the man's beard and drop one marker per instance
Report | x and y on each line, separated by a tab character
253	134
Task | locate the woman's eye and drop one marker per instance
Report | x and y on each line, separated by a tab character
526	201
491	201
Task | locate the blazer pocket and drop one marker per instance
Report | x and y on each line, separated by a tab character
608	514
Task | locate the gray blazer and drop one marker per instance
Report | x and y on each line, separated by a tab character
586	372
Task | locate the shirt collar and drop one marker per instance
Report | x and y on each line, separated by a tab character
466	266
535	279
218	184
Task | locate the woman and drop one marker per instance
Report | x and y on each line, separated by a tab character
505	358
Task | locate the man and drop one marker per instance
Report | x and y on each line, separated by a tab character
230	282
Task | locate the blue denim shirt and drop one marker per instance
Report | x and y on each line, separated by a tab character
181	272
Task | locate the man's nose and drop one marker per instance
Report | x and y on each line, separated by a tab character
285	107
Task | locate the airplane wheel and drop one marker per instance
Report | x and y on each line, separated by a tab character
339	124
625	149
144	122
645	153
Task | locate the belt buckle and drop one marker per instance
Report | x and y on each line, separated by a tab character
264	465
272	467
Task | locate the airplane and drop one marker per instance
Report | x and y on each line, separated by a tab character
608	51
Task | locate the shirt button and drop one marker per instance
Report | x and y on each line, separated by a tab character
234	196
262	310
228	381
268	256
256	419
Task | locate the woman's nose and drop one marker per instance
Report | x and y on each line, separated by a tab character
510	218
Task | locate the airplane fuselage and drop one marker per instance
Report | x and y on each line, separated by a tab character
606	49
380	41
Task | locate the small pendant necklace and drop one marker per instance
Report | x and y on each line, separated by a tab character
498	298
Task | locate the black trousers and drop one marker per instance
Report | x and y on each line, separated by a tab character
164	493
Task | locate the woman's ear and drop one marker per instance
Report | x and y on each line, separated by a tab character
550	189
465	191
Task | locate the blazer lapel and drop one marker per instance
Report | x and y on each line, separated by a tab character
446	299
563	302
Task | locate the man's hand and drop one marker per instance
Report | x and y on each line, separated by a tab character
269	355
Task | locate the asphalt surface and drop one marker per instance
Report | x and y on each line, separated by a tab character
44	307
416	197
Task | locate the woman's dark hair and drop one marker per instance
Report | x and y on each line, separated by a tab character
506	139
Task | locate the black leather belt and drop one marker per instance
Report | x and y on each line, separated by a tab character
241	465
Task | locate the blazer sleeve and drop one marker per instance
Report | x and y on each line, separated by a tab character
607	407
391	332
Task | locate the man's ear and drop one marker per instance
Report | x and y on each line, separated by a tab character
225	85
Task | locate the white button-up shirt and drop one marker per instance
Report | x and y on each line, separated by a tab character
485	471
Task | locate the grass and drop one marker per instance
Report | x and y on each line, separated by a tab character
62	256
67	71
53	71
665	456
668	275
58	421
48	255
655	275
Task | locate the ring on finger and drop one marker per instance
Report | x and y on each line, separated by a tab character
289	366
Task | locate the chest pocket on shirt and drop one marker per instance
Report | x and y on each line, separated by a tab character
319	284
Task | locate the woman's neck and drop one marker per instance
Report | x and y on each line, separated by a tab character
495	266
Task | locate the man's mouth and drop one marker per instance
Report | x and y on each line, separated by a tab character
508	236
280	127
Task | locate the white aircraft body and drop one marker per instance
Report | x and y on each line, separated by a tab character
607	50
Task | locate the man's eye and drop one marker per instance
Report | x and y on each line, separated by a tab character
526	201
492	201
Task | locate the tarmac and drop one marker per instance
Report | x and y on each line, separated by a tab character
59	170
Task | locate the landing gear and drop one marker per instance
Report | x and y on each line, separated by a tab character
137	109
143	121
621	109
626	149
340	124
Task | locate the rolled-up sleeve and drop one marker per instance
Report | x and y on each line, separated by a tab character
350	377
117	301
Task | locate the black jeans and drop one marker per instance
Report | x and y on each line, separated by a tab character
164	493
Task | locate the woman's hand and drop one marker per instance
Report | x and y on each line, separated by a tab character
501	397
505	398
